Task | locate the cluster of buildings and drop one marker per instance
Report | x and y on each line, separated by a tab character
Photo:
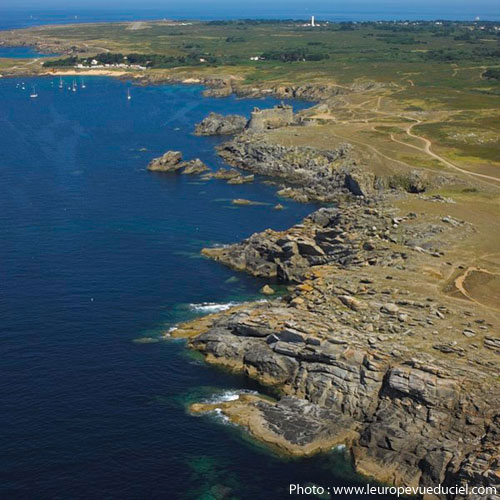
95	64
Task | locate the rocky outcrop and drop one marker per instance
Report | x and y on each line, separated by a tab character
309	173
171	161
310	92
216	124
362	352
340	351
241	179
350	236
413	182
267	119
195	166
407	422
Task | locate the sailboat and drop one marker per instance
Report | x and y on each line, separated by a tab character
128	95
61	83
83	84
33	93
74	86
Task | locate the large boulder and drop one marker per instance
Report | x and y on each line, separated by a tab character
171	161
358	181
215	124
195	166
417	182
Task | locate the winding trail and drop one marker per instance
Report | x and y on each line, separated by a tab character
460	285
427	149
427	143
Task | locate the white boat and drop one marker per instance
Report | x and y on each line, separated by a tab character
33	93
74	86
128	95
60	83
83	84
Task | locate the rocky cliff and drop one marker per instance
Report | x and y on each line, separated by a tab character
309	173
363	352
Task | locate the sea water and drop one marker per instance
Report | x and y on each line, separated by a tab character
95	252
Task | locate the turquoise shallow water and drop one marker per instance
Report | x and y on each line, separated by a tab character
96	251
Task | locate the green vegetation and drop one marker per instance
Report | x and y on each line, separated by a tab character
492	73
145	60
330	45
291	55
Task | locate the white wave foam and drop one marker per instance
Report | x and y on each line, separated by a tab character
212	307
230	395
220	416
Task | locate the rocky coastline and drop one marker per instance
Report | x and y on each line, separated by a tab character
309	174
364	350
358	352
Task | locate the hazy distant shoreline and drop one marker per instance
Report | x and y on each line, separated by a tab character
12	18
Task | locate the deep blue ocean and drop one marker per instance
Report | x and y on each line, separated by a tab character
96	252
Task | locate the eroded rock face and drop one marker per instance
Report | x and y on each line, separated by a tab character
407	422
312	92
310	174
216	124
348	237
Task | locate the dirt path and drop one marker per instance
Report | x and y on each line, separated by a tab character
427	149
460	285
375	150
427	146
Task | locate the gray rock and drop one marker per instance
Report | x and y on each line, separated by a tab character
195	166
265	119
390	308
169	162
216	124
